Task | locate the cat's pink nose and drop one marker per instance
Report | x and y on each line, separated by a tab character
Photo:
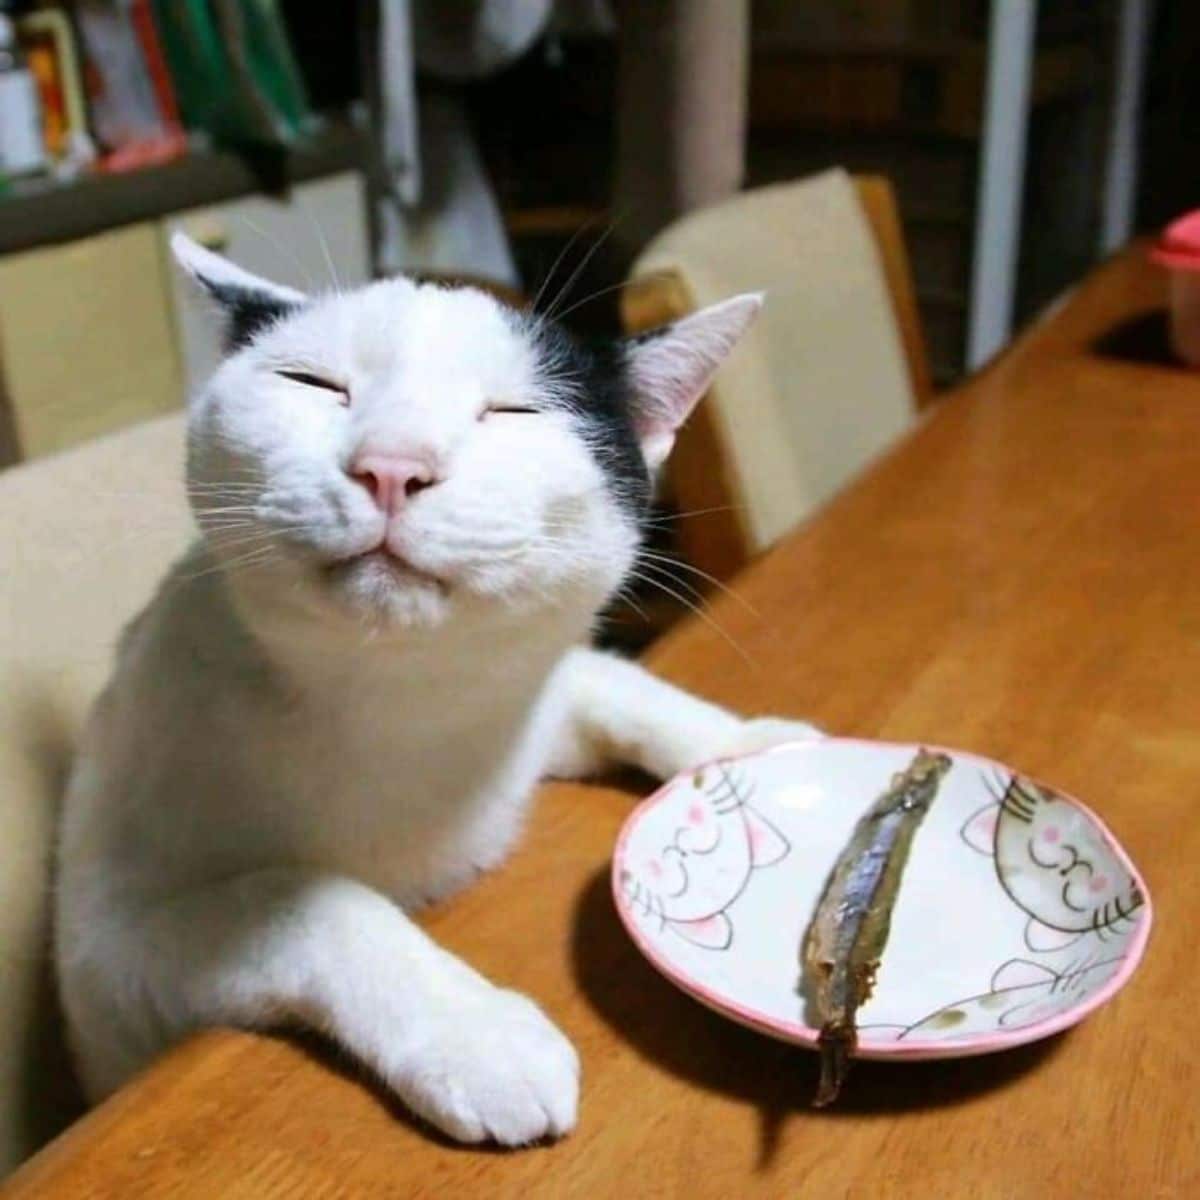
392	479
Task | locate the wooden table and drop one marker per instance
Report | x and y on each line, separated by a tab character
1021	577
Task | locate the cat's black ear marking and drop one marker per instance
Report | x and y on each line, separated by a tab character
591	381
249	304
247	312
630	396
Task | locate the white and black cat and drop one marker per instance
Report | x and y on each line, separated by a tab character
412	503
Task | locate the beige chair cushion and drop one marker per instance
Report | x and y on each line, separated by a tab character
85	537
821	385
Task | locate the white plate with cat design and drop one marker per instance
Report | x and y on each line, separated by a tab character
1018	912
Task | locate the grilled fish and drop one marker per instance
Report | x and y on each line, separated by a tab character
849	928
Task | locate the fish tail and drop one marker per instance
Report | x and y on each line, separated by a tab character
836	1044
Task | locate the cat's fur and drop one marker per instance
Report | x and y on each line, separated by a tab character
304	738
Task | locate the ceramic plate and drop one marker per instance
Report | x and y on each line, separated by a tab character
1018	912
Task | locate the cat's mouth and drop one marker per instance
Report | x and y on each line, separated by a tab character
382	561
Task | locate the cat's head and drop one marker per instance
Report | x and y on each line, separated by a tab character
690	857
405	451
1054	863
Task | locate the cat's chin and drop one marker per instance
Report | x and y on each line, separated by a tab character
385	591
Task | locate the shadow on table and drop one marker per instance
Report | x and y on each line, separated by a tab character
329	1056
1142	338
715	1054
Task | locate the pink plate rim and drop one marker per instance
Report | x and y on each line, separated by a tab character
804	1035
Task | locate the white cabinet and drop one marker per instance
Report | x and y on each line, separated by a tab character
314	239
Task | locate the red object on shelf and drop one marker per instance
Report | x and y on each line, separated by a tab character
147	153
160	76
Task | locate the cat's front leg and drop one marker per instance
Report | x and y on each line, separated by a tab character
282	946
616	713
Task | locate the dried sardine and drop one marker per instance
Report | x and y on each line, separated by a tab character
849	928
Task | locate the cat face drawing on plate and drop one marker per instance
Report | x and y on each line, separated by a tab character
1054	864
693	856
1022	993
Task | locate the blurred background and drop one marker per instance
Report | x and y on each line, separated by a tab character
544	148
476	139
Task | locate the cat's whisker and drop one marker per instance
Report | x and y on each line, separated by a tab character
708	620
558	260
226	510
627	597
278	245
222	546
229	477
257	557
660	573
225	528
642	570
222	539
232	473
612	287
240	495
661	519
669	561
243	494
192	488
239	517
233	536
580	267
323	242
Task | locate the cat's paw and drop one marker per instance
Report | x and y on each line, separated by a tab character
493	1068
762	733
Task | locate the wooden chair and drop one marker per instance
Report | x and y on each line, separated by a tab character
751	492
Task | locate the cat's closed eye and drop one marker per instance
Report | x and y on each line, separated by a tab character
307	379
507	409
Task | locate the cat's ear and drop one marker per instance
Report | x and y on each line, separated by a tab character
1042	938
979	832
248	304
671	368
710	933
1020	972
767	845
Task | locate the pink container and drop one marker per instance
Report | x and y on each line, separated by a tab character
1179	251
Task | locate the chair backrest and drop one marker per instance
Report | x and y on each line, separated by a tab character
86	536
829	376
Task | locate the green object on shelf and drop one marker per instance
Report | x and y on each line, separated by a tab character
274	65
233	71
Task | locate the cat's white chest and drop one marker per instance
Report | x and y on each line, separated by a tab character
413	785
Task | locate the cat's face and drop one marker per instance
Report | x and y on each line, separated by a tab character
1040	837
1053	863
687	870
404	452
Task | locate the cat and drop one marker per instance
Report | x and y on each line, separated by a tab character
412	503
1036	836
688	875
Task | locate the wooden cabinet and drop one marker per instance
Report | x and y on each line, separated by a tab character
86	338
